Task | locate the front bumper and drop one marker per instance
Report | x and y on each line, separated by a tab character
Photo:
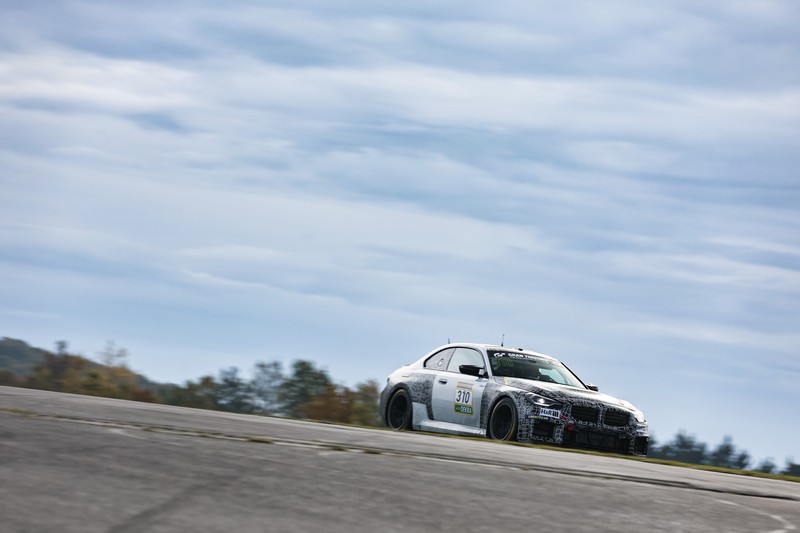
595	427
611	442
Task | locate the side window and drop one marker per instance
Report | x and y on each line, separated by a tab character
465	356
439	360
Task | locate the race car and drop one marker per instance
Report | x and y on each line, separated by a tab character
503	393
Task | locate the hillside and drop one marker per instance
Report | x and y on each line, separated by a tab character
26	366
18	357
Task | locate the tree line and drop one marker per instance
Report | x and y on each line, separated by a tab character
685	448
305	391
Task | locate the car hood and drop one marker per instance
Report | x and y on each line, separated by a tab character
562	393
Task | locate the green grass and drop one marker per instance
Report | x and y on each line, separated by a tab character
708	468
15	411
260	440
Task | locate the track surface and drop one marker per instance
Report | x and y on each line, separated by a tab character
75	463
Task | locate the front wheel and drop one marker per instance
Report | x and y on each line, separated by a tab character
398	412
503	421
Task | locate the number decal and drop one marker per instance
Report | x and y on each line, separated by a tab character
463	399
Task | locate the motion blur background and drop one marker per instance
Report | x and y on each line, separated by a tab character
614	184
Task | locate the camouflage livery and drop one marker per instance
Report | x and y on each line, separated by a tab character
573	415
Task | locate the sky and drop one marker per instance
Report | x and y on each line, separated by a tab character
214	184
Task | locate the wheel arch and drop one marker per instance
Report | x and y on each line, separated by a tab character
500	397
392	393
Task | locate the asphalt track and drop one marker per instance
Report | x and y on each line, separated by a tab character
83	464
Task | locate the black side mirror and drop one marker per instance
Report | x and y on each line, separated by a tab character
592	387
471	370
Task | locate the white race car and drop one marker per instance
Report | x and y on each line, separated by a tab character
509	394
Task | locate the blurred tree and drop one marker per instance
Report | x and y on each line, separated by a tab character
58	373
265	387
93	384
62	347
683	447
8	378
792	468
365	404
110	355
726	455
120	381
337	403
767	466
144	395
172	394
232	393
333	404
741	461
306	382
202	394
723	454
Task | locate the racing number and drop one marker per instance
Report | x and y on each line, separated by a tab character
463	399
464	396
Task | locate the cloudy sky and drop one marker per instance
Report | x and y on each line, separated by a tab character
211	184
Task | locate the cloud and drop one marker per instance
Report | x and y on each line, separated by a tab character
623	157
707	270
743	338
66	80
765	246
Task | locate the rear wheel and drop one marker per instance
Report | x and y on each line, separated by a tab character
398	412
503	421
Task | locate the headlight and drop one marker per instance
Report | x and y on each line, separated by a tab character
542	401
639	417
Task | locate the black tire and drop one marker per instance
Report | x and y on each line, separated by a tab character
398	412
503	421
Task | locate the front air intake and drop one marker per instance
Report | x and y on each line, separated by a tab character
582	413
616	418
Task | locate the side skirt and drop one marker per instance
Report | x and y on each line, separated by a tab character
423	423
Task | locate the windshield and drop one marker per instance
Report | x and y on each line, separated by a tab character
527	366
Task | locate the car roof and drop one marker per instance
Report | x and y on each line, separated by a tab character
496	347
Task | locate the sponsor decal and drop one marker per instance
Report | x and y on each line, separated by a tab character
514	355
549	413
